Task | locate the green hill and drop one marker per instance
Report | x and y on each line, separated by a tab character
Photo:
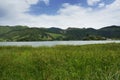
27	34
24	33
110	32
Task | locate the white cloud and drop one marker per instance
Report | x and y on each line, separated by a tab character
31	1
46	2
101	5
92	2
19	5
114	6
68	15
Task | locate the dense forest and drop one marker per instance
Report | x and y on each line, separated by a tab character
24	33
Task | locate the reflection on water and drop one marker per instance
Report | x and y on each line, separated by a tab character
53	43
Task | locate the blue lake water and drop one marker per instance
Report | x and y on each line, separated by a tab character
53	43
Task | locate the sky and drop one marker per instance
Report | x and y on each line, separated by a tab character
60	13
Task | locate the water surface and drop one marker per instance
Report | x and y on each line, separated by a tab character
53	43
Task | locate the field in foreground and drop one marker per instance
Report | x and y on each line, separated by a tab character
88	62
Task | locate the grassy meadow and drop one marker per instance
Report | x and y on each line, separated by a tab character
86	62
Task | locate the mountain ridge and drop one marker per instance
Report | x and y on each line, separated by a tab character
25	33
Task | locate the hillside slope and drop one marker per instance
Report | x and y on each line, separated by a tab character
24	33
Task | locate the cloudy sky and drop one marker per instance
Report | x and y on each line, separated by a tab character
60	13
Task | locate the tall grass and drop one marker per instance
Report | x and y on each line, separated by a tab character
88	62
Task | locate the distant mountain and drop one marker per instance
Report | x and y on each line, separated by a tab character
55	30
112	32
24	33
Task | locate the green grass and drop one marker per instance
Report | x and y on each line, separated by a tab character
88	62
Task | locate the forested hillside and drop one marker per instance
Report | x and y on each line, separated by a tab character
24	33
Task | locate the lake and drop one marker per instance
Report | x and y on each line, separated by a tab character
53	43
